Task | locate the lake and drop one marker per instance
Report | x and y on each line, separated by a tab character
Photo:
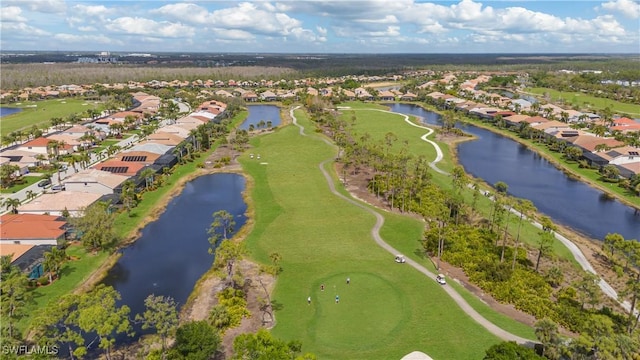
264	113
569	202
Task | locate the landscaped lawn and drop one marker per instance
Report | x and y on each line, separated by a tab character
389	309
73	273
41	114
28	180
586	101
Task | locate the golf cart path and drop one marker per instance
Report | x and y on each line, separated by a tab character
577	254
375	233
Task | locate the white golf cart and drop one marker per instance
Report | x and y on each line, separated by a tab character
400	259
441	280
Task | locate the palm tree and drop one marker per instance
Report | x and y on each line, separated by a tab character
147	174
31	195
53	261
11	203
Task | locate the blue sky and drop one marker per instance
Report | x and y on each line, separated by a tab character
357	26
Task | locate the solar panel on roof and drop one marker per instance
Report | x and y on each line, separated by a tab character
115	169
635	153
134	158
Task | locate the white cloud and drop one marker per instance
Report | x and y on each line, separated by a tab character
232	34
21	29
73	38
44	6
185	12
87	28
11	14
92	10
148	27
628	8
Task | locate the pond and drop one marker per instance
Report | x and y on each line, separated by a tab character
5	111
260	116
494	158
171	253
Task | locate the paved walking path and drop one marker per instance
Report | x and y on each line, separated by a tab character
573	248
375	233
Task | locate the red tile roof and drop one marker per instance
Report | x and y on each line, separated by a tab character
31	226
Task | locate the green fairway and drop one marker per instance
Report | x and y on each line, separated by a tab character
389	309
586	101
39	113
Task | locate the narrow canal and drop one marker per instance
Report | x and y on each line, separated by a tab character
171	254
494	158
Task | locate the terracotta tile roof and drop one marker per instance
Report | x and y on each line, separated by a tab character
31	226
589	142
16	250
120	167
37	142
145	157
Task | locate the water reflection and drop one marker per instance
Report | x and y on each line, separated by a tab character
172	252
567	201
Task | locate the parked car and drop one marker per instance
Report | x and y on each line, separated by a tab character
59	187
44	183
441	280
400	259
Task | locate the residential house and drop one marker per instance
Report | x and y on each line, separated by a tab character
268	96
20	158
119	167
41	146
56	203
27	258
152	147
250	96
624	125
95	181
31	229
386	95
164	138
408	97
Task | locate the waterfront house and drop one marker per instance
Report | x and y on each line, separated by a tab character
94	181
32	229
56	203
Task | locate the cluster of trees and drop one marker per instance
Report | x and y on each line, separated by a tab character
592	83
458	232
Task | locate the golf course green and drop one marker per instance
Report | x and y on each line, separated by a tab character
388	309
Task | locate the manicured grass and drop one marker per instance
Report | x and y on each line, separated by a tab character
388	310
378	124
28	180
586	101
43	112
73	273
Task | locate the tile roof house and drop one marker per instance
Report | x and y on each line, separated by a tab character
143	157
125	168
39	146
153	147
629	170
164	138
386	95
55	203
94	181
31	229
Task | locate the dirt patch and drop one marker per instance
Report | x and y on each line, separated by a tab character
256	282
